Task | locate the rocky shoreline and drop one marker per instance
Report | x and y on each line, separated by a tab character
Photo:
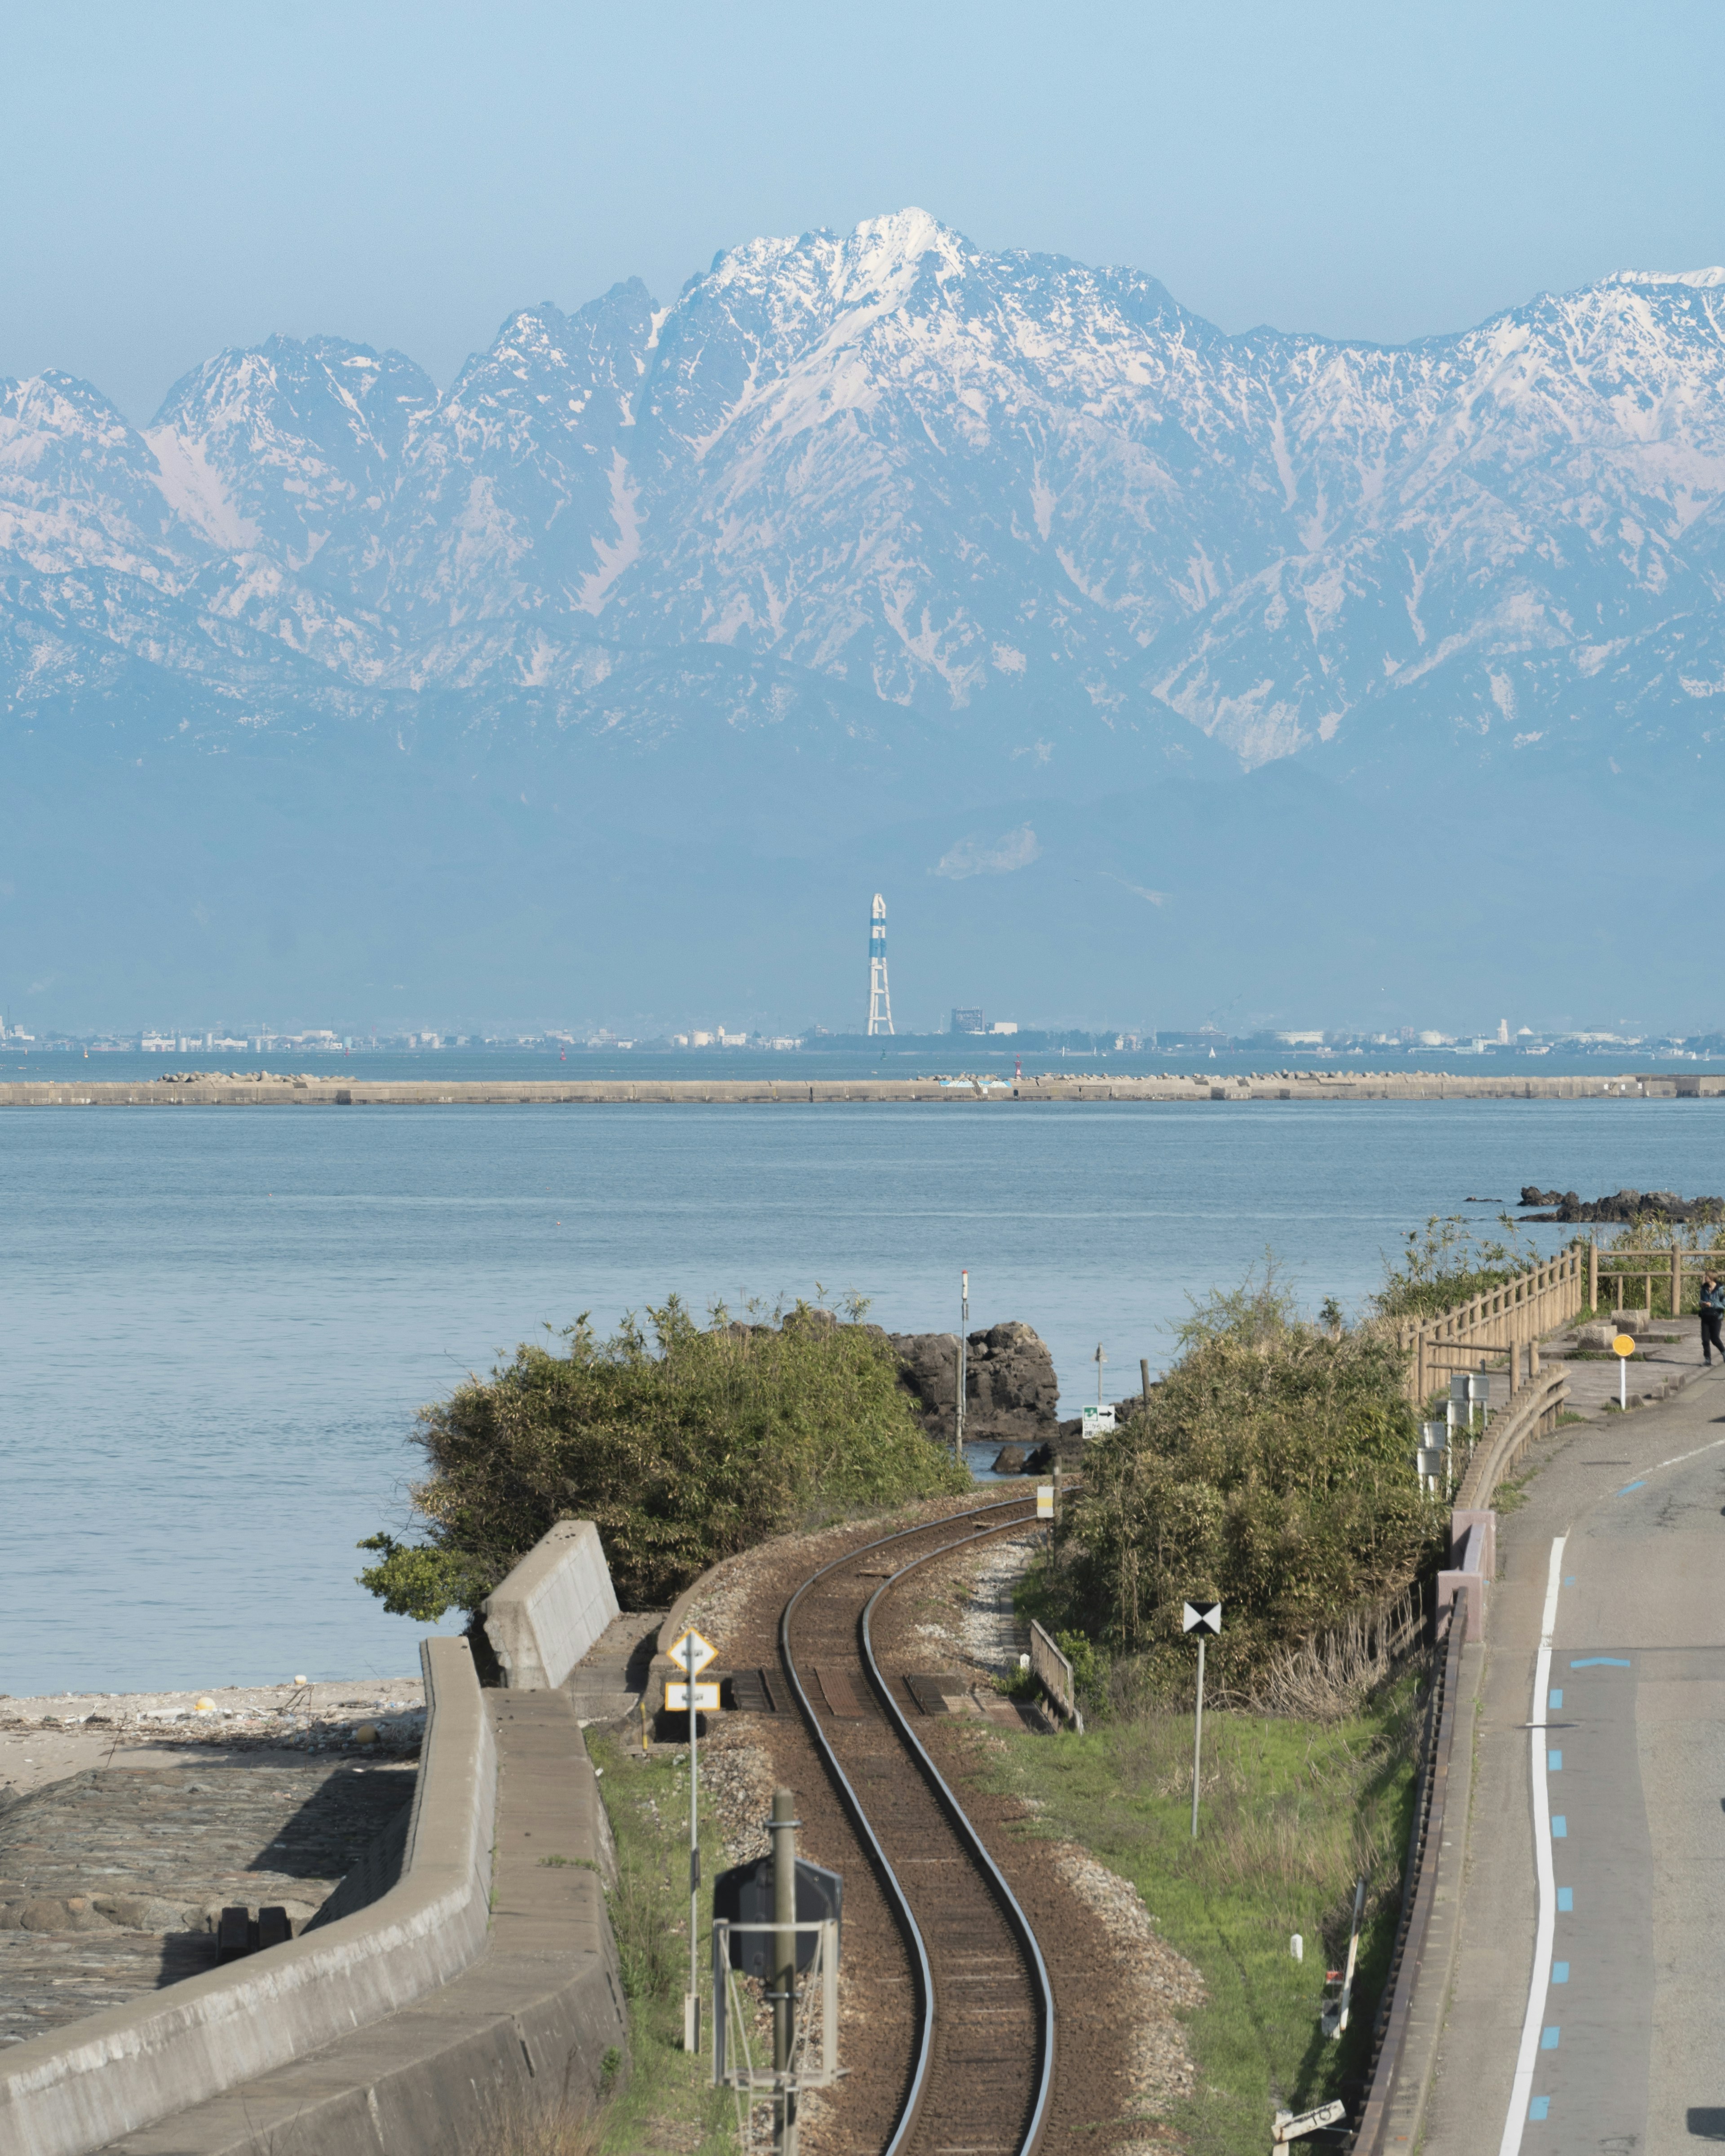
1624	1206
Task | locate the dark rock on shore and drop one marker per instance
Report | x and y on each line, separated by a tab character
1011	1459
1626	1205
1011	1393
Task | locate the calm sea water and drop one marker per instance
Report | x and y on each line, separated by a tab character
217	1325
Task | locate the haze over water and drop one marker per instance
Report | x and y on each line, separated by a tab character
218	1323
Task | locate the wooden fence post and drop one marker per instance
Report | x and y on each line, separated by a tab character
1677	1280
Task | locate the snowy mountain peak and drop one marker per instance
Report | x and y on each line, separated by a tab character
888	463
1703	279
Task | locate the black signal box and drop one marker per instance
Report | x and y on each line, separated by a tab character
744	1896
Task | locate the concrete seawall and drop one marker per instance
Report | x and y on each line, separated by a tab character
804	1093
117	2072
543	1617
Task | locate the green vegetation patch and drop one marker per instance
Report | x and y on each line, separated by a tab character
1292	1814
1272	1470
1450	1261
683	1448
667	2100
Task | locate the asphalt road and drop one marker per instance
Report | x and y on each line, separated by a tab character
1600	1765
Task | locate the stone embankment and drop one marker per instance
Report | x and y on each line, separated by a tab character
112	1881
267	1090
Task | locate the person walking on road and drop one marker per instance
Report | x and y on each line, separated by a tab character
1712	1310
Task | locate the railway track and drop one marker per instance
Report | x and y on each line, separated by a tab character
981	2072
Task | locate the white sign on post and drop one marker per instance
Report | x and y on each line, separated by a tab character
703	1652
1096	1420
1290	2125
676	1698
1044	1501
1199	1617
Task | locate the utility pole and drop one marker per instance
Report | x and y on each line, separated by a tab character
963	1363
783	1994
1099	1358
1144	1379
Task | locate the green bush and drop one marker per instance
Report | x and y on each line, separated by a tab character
682	1450
1451	1261
1271	1470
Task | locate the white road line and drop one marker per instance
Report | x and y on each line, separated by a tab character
1677	1459
1540	1981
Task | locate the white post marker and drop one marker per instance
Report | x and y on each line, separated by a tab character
1200	1617
1623	1346
691	1654
1099	1358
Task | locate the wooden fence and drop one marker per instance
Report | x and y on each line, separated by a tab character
1055	1673
1501	1322
1659	1275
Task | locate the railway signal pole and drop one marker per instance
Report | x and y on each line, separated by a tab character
783	1830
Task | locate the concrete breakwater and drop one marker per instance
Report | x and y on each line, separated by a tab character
236	1092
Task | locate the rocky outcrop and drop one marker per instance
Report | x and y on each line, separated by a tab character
1626	1205
1011	1393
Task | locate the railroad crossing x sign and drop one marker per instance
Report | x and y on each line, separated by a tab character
704	1652
1209	1614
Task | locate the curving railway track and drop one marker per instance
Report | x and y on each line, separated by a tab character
979	2075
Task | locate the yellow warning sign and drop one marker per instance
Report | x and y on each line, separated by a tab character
1624	1345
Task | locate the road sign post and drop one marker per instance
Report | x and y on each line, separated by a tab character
1623	1346
1199	1617
691	1654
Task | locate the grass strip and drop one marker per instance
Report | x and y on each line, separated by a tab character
1292	1813
667	2100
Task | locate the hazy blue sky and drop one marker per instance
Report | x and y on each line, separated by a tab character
182	178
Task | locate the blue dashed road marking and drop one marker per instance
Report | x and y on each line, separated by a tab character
1627	1486
1540	2107
1554	1762
1560	1972
1557	1700
1566	1900
1559	1827
1600	1662
1548	2041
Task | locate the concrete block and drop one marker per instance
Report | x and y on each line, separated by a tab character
81	2087
1469	1587
552	1608
1460	1520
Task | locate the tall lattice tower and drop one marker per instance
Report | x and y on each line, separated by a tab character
880	998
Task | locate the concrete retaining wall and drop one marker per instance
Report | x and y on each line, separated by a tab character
531	2033
85	2086
552	1608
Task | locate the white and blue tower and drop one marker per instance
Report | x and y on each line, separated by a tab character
879	1000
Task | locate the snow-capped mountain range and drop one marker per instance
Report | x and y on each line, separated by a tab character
894	462
901	491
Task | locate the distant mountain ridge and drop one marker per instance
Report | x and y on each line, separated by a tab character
898	463
886	498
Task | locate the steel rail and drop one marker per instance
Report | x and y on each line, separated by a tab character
853	1803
